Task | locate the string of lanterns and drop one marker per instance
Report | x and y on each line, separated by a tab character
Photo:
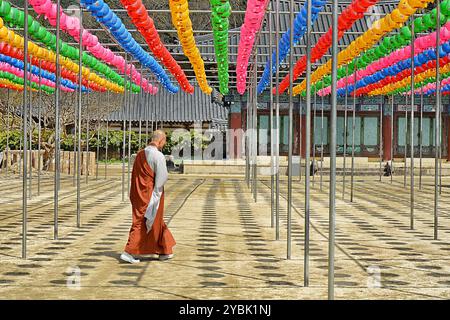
399	82
430	88
386	51
8	36
41	34
221	10
254	15
397	61
6	84
71	25
300	27
106	17
144	23
18	80
405	83
43	73
181	21
379	28
31	77
12	52
422	59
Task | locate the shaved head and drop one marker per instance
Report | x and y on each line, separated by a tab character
158	139
158	135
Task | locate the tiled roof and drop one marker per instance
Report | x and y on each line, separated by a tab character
180	107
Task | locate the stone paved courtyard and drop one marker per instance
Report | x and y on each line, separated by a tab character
226	248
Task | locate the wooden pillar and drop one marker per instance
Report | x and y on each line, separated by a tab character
303	136
236	127
387	137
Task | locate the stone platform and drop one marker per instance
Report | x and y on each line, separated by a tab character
363	166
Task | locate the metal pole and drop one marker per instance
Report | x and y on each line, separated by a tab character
411	128
80	129
151	114
75	125
421	138
39	132
255	128
21	153
321	142
381	138
345	135
308	141
130	102
147	116
332	207
140	110
88	138
300	125
250	132
290	134
25	132
57	121
440	150
30	186
314	131
277	121
98	149
392	139
437	132
124	138
107	137
272	140
7	133
251	136
406	141
247	142
352	179
157	124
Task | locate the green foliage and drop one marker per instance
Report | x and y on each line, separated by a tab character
115	140
14	140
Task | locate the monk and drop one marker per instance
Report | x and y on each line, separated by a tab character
149	235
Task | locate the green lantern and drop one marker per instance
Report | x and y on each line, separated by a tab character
47	38
406	33
442	17
418	25
428	21
33	27
11	16
20	19
41	33
445	8
5	8
64	49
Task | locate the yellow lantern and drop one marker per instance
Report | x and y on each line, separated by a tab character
405	8
3	33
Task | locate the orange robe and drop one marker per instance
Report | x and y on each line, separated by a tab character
159	240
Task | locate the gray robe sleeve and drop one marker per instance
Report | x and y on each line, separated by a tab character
157	162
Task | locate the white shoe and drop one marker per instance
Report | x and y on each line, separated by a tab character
128	258
165	257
